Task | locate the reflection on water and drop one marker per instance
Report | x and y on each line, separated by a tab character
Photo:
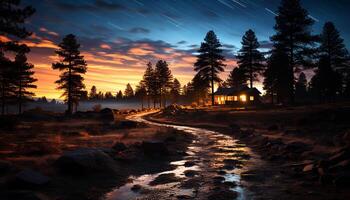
210	151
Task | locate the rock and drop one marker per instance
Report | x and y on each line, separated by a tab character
30	178
189	163
190	173
154	148
127	124
136	188
308	168
119	146
164	179
230	184
218	179
85	160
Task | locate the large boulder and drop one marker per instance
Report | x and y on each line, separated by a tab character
154	148
30	178
86	160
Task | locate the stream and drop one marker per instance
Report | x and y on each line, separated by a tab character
214	156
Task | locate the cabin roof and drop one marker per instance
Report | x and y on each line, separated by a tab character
237	91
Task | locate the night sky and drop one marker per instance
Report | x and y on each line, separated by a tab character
118	38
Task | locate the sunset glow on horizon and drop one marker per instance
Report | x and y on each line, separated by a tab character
118	38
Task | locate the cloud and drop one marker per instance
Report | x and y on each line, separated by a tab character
44	30
105	46
266	44
182	42
139	30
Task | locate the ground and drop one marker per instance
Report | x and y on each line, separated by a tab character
293	142
38	144
216	153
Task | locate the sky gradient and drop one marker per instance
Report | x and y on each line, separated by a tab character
118	38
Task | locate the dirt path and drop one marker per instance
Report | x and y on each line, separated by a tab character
210	170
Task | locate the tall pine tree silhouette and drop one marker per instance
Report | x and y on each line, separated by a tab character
333	48
149	82
164	79
12	18
24	79
237	78
210	61
277	77
250	58
293	32
71	65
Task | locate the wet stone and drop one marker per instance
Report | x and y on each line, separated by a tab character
164	179
136	188
189	163
190	173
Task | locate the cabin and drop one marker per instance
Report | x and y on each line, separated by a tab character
237	96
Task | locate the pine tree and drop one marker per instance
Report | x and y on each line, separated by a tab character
237	78
199	88
293	32
24	79
149	82
72	65
326	82
141	92
334	53
210	61
119	95
301	87
12	18
250	58
277	77
163	80
175	90
333	48
93	92
129	92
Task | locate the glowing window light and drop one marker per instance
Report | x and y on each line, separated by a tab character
243	98
251	98
235	98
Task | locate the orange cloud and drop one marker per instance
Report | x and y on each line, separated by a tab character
4	39
105	46
41	44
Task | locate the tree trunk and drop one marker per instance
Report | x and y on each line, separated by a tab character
69	111
3	98
212	86
20	98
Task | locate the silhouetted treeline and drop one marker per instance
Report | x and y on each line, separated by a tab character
16	75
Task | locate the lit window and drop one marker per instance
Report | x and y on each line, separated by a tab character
235	98
243	98
251	98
